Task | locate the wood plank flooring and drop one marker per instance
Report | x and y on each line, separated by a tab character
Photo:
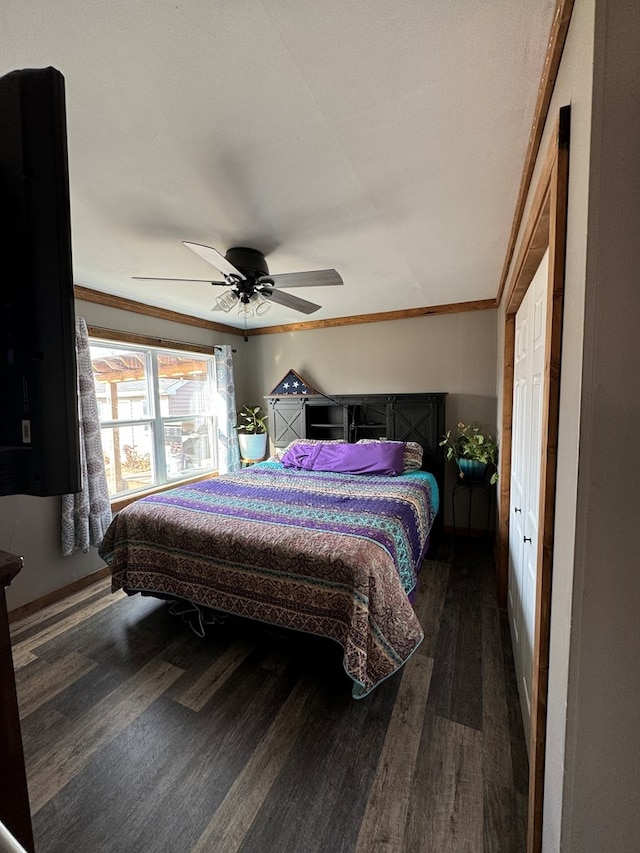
141	736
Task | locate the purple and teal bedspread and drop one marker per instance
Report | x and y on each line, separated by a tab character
330	554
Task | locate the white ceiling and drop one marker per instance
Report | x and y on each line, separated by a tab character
383	138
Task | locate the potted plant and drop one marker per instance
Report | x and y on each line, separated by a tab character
473	451
252	432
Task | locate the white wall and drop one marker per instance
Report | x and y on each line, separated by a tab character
573	87
592	779
602	789
29	526
455	353
443	352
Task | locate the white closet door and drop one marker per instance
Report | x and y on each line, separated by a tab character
518	482
525	479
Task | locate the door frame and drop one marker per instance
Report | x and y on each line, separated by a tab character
545	228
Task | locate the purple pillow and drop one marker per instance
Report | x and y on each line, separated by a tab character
385	458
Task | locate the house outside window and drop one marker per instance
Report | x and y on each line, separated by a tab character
156	415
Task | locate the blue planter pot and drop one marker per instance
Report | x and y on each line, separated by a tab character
252	446
471	471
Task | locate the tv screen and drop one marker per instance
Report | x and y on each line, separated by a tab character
39	439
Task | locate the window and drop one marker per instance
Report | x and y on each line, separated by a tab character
156	414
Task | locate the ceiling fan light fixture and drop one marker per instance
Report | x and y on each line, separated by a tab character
246	276
261	305
245	309
226	300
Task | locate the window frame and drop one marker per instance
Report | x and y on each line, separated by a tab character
155	420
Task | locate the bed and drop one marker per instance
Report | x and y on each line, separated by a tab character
326	552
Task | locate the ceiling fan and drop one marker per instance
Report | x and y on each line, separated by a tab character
248	283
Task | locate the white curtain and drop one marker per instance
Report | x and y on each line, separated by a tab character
228	450
87	514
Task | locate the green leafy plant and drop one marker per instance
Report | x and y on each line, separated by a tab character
253	420
471	443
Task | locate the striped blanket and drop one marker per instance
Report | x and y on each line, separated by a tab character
331	554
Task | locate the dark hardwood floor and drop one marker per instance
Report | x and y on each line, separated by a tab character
141	736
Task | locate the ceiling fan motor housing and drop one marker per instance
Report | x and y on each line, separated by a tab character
250	262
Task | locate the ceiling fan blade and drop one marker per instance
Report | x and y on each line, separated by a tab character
214	257
157	278
290	301
313	278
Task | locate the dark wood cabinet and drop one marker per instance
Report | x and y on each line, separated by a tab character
14	795
396	417
326	420
286	419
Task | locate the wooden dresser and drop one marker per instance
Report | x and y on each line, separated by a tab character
14	796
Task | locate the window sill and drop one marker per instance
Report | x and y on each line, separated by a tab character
120	503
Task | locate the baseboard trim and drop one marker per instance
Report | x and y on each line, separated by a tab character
57	594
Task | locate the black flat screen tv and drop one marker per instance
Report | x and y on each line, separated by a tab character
39	438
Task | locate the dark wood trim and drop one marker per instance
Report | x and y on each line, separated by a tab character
58	594
87	294
557	38
535	236
146	340
550	418
381	317
545	229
